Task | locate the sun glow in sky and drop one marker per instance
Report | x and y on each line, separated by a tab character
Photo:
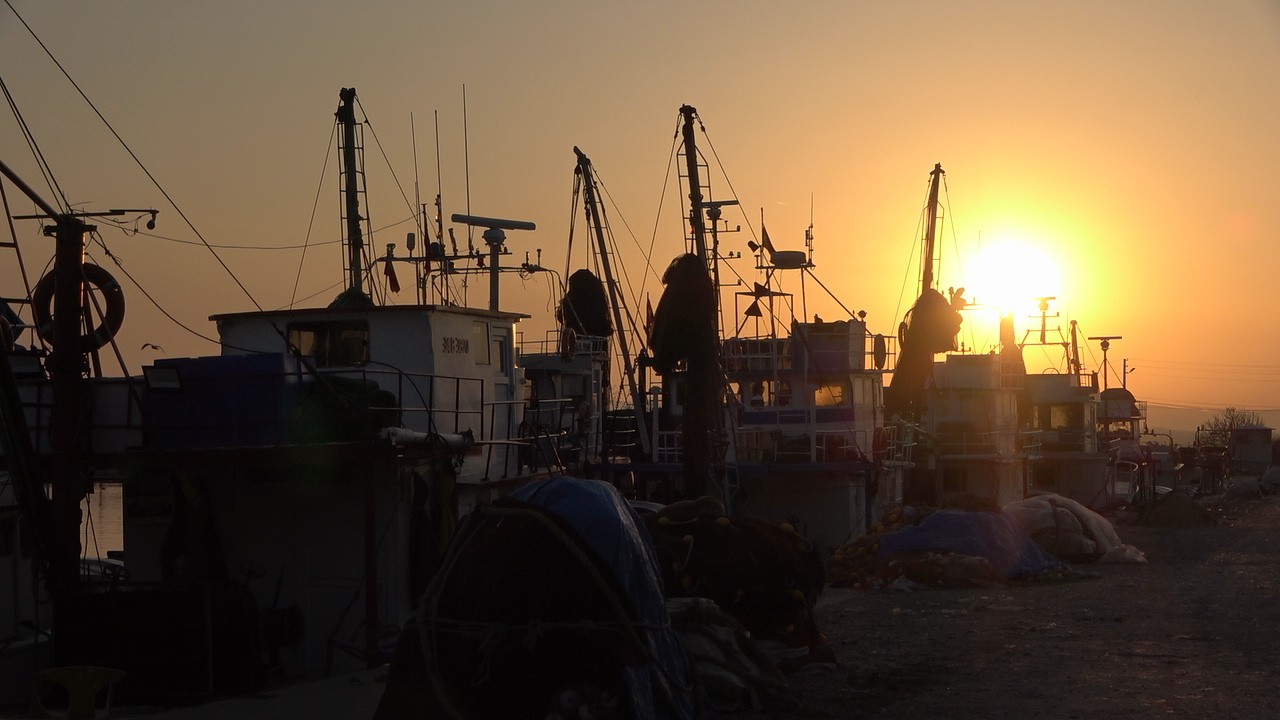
1125	146
1011	276
1006	276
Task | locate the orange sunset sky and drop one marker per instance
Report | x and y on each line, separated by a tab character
1120	156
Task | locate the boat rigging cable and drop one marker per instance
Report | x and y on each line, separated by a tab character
602	191
369	263
135	158
311	221
13	236
98	239
49	179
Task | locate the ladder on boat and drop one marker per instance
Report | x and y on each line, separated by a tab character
353	191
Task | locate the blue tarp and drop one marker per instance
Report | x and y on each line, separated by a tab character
994	536
607	526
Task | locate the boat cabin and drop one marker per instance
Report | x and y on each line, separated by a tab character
442	369
980	451
1064	409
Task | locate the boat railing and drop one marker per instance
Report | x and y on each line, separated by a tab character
113	417
1068	440
668	446
551	342
899	445
756	446
552	433
621	434
1031	442
1004	442
757	355
301	406
504	449
424	402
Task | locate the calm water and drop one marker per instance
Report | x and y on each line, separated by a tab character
103	526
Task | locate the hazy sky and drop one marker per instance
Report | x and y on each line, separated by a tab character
1126	152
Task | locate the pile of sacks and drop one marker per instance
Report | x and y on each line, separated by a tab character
1031	539
1070	530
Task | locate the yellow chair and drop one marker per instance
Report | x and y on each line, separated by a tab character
83	684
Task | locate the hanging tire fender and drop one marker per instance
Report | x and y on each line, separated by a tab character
112	317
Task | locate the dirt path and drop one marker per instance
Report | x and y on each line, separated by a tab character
1193	633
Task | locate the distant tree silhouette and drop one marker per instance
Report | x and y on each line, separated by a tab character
1217	431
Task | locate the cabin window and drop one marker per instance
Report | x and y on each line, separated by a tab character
501	350
332	343
1059	417
763	393
832	394
480	341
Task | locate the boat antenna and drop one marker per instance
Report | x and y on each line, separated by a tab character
419	215
495	237
466	161
1105	344
439	222
808	232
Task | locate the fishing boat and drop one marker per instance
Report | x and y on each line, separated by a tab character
286	501
729	389
987	432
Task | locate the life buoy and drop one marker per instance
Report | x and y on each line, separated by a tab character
880	445
568	343
112	316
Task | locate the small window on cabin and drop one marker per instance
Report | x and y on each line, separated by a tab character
332	343
862	393
782	394
480	341
835	394
500	351
1066	416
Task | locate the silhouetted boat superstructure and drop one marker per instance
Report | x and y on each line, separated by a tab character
779	416
988	432
285	501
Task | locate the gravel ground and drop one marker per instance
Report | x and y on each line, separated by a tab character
1194	632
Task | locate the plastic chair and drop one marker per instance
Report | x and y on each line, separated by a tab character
83	683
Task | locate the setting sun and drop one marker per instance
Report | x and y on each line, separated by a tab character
1010	275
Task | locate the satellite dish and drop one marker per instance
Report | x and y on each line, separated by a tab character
879	351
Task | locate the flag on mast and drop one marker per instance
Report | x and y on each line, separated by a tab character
389	270
764	239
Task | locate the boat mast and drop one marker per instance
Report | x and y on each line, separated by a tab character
1075	351
704	379
66	465
615	302
354	294
930	230
696	222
